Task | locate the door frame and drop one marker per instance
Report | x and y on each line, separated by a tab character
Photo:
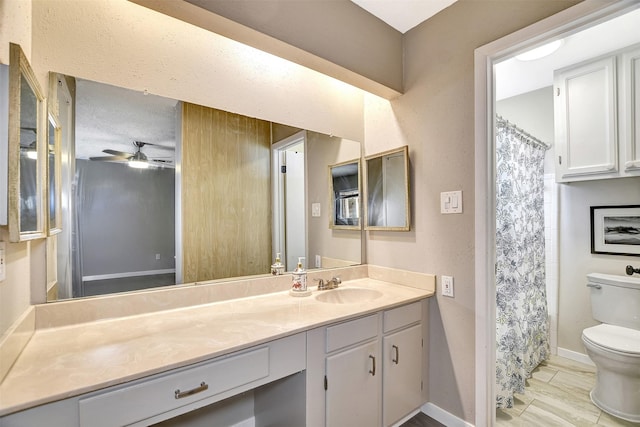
279	217
562	24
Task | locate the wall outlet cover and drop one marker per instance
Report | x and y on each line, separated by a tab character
315	209
447	286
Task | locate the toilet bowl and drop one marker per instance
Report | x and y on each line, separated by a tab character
614	345
615	351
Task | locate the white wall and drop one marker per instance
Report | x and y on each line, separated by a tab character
576	259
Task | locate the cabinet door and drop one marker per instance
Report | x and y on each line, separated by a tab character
631	114
353	384
402	375
585	120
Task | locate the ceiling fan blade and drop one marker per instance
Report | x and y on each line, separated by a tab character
141	144
118	153
110	158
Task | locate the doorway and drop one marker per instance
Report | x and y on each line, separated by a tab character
289	194
568	22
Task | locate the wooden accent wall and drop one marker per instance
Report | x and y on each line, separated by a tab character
226	194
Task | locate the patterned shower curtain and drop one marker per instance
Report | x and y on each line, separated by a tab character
522	326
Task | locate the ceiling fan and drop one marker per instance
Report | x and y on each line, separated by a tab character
135	160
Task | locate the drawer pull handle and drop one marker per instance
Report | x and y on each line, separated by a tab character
180	394
372	371
397	358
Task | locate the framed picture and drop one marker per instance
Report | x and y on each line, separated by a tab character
615	230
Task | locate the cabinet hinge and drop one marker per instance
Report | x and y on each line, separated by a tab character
326	383
283	169
557	91
421	385
559	160
422	342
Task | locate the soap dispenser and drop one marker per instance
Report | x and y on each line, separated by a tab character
299	285
277	268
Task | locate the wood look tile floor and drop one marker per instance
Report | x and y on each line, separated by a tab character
558	395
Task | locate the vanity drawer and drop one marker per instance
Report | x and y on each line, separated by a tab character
137	402
352	332
402	316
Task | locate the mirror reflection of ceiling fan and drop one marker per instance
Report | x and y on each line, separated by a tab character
138	159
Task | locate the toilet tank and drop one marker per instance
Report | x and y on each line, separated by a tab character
615	300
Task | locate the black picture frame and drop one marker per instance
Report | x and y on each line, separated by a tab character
615	230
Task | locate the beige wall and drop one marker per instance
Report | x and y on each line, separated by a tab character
15	27
435	118
121	43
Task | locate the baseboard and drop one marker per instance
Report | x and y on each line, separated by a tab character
406	418
443	416
575	356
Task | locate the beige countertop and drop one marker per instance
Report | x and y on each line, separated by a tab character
62	362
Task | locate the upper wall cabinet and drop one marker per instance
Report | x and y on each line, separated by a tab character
596	117
26	152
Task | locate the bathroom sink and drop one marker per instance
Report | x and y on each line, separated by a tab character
348	295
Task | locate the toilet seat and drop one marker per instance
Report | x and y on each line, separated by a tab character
615	338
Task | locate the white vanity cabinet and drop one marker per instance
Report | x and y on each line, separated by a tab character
596	117
164	396
366	371
402	362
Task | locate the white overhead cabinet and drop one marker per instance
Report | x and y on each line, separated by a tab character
596	117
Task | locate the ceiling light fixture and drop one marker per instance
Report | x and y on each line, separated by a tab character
540	51
139	161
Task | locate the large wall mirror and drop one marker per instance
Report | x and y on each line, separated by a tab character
158	192
387	191
26	152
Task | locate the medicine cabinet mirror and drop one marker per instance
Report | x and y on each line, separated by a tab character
26	151
344	193
387	191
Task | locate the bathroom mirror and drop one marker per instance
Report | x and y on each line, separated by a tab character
387	191
106	209
54	133
26	151
344	195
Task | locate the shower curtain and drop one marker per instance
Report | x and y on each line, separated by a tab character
522	330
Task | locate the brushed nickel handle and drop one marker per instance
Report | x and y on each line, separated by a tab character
373	370
180	394
594	285
397	358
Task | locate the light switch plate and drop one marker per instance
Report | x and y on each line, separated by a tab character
3	262
451	202
318	261
447	286
315	209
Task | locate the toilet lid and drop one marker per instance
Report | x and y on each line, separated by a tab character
625	340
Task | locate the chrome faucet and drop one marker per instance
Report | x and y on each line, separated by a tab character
329	284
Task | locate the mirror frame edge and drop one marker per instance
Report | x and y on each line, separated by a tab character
53	118
19	67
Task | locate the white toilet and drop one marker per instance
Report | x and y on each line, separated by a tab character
614	346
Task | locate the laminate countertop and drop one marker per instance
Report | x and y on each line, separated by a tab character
67	361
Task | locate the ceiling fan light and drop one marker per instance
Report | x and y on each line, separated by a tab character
138	164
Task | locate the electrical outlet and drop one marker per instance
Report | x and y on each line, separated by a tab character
3	262
157	257
447	286
318	261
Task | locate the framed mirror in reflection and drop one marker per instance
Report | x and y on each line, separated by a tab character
387	191
162	192
344	193
26	153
